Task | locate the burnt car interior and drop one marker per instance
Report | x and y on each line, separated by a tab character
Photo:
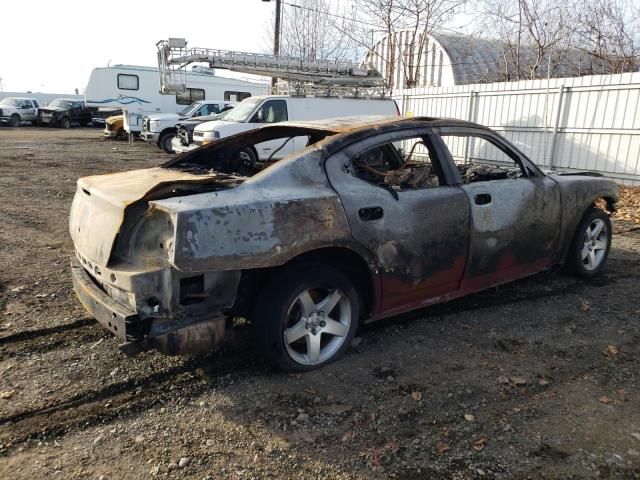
233	155
479	159
401	165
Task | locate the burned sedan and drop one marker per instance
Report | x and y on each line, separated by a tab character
375	217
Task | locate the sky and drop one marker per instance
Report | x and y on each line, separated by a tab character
56	44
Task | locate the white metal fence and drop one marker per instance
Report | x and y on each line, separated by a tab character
584	123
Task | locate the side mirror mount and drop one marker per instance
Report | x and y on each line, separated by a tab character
261	115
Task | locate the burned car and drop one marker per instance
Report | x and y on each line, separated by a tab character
375	217
64	112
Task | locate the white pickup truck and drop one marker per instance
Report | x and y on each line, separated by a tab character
15	110
161	127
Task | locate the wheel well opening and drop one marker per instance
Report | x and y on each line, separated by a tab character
606	204
343	259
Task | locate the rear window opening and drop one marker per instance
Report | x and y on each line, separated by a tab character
247	153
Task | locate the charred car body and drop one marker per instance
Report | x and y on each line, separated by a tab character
377	216
63	113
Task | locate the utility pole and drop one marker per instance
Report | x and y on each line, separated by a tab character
276	34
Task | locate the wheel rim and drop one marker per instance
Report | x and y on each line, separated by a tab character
594	246
246	157
317	325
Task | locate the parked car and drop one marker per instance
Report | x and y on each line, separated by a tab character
15	110
114	127
375	217
100	115
260	110
182	141
159	128
63	112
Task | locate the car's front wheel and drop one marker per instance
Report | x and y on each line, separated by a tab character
14	121
591	243
165	143
65	123
306	318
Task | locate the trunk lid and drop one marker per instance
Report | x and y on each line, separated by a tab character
100	203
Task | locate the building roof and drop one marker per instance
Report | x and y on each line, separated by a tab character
473	59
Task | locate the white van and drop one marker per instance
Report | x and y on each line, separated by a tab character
255	111
135	90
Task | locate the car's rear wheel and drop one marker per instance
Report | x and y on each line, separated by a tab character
14	121
165	143
591	243
306	317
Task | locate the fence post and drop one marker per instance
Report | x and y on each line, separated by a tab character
470	109
556	126
470	113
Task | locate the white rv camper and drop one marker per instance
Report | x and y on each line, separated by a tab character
134	89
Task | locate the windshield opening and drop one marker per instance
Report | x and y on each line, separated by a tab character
60	103
188	110
15	102
243	110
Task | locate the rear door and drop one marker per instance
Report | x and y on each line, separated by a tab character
403	208
515	209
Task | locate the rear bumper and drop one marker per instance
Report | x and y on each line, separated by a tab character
168	335
110	314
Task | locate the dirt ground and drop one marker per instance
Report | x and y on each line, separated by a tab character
538	379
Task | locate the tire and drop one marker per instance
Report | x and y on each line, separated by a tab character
281	333
248	157
165	143
36	123
121	134
65	123
590	246
14	121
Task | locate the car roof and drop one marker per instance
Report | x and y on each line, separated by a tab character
353	123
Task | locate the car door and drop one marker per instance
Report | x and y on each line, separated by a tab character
28	111
417	230
273	111
515	208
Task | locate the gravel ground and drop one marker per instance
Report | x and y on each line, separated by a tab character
537	379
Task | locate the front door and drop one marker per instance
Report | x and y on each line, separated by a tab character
515	209
274	111
402	209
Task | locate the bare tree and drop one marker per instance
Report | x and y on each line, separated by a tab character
579	37
423	17
535	34
387	17
609	32
310	30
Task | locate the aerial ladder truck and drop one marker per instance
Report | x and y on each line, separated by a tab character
297	76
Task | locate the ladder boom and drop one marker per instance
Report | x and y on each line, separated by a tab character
174	56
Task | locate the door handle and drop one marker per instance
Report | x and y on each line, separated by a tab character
370	213
482	199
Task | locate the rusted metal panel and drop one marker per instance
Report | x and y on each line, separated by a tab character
272	217
419	242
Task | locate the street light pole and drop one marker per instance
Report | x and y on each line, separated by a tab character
276	34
